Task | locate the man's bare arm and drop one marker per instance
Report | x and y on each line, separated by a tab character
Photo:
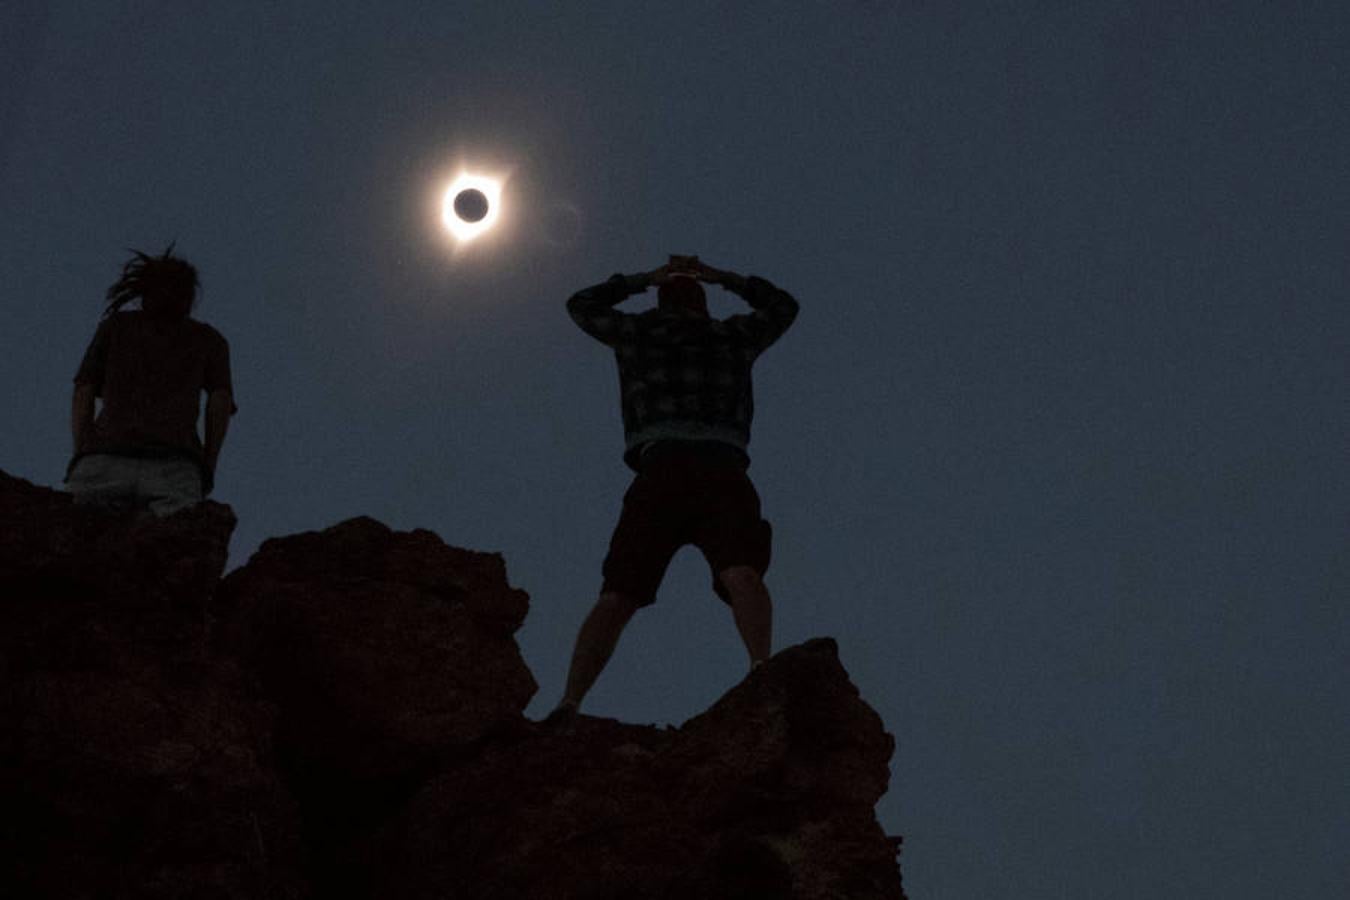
82	412
219	407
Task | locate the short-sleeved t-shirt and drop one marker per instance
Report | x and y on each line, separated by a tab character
150	373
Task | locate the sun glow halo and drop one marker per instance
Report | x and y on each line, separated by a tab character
462	230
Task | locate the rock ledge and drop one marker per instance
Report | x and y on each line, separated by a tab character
342	717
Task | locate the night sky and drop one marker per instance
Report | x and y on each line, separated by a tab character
1056	448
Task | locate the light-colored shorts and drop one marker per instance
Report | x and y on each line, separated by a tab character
164	486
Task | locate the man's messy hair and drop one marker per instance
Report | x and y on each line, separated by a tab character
166	285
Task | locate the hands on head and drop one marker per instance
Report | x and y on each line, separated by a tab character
687	267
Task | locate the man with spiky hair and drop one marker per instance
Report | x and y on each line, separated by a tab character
685	388
150	366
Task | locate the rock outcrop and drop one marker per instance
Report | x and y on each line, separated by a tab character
342	717
134	761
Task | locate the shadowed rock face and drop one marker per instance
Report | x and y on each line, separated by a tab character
341	717
133	761
385	653
769	794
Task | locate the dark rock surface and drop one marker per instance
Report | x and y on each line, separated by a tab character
341	717
769	794
133	761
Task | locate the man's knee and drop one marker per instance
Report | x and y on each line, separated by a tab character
104	480
741	581
170	485
616	605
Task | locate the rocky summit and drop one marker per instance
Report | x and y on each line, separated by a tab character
342	717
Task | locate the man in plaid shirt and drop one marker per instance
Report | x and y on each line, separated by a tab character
684	380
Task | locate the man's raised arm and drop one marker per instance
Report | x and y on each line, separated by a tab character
774	308
593	309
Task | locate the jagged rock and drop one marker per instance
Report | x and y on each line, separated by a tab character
132	762
767	795
386	650
341	717
131	562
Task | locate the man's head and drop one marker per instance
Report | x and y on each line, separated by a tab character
682	295
165	284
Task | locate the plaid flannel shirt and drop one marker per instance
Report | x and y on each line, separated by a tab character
684	377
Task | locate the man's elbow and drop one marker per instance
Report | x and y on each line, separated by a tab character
580	304
220	402
784	310
84	402
586	315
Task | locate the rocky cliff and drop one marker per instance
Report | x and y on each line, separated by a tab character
341	717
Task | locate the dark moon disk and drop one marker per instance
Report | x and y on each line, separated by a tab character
471	205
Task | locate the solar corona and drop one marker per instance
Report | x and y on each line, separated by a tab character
471	206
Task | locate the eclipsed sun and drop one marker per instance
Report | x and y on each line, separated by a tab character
472	206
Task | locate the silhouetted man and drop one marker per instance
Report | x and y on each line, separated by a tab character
150	366
684	381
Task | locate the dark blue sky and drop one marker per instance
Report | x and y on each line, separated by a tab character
1056	450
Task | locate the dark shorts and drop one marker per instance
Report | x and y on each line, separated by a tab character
686	497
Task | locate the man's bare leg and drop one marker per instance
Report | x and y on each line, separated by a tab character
752	608
596	640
